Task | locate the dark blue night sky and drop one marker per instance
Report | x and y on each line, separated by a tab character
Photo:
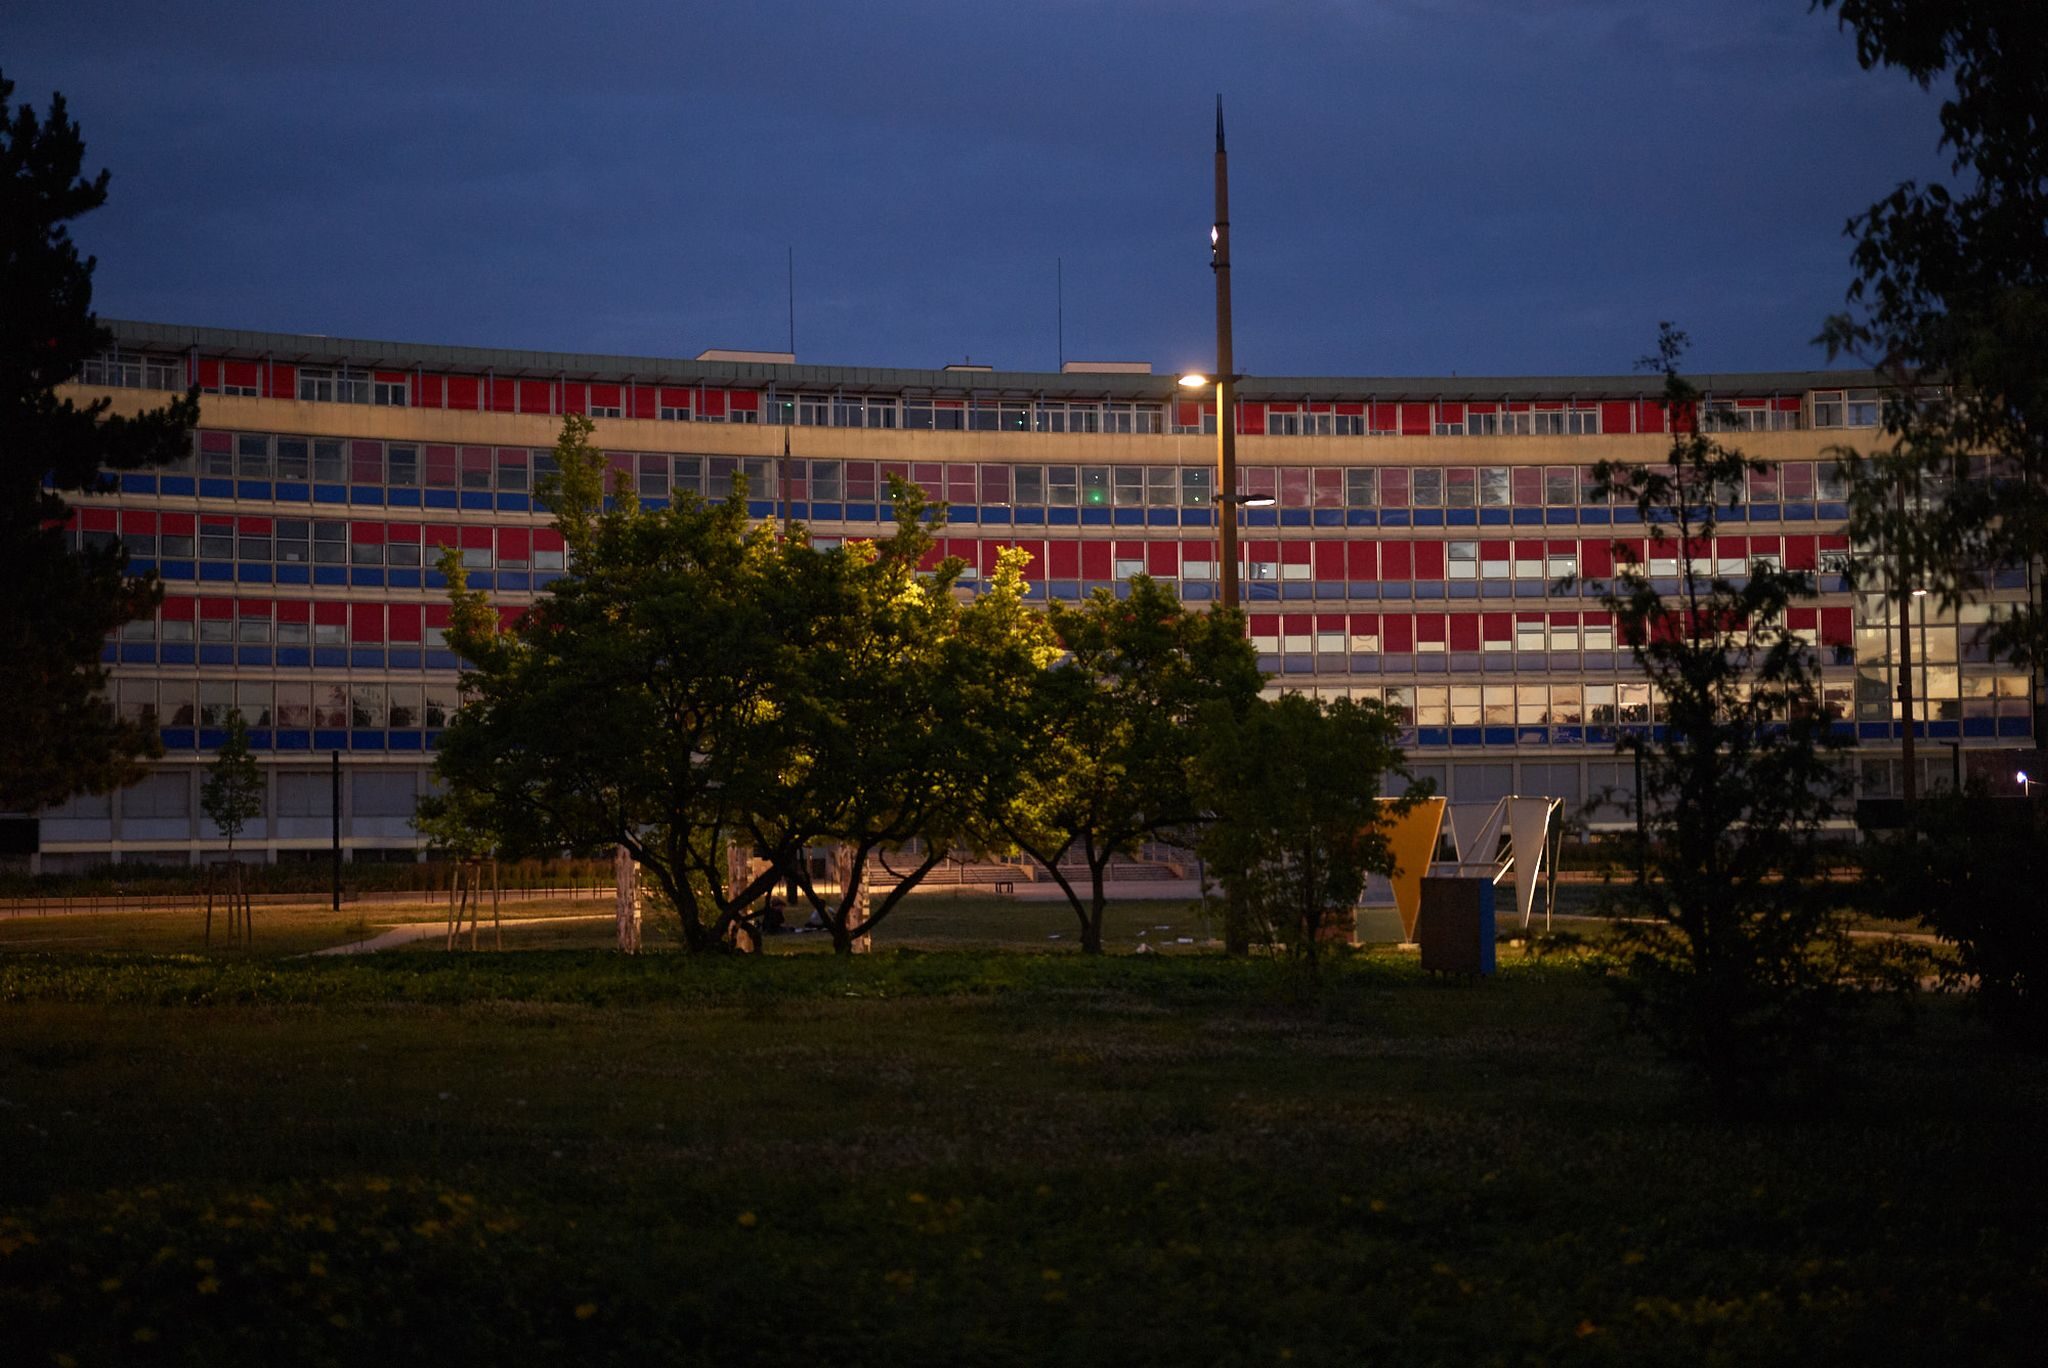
1479	186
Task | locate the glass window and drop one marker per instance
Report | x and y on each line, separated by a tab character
252	456
216	701
293	540
216	540
403	465
1560	486
329	541
293	454
1028	486
366	553
366	706
825	485
1061	486
1463	562
1426	487
1494	488
1129	486
254	546
1461	486
295	706
1197	486
252	700
688	475
513	469
1161	486
330	463
407	706
653	477
1095	486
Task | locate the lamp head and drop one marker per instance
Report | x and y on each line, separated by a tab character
1194	380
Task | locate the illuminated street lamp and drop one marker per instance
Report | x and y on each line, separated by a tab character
1227	502
2026	784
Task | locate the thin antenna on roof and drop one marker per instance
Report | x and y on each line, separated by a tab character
792	299
1059	267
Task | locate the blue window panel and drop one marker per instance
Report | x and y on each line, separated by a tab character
366	657
253	574
483	579
864	512
212	738
1834	584
362	577
176	653
366	740
407	741
1427	517
828	512
2010	578
442	660
797	509
109	654
1462	517
1028	517
1493	517
1261	591
1834	512
327	493
481	501
1432	736
1329	517
259	738
1393	517
1979	726
214	653
1328	589
1560	517
1297	589
216	489
1532	588
1525	517
762	508
177	738
330	740
1763	512
404	657
176	484
176	570
1467	736
514	579
293	491
402	498
142	567
294	574
1532	736
1261	517
1361	517
1294	517
138	653
1197	591
438	498
1396	589
1095	517
961	514
523	503
218	572
1464	589
1162	517
1626	515
1120	588
2014	726
1269	664
293	657
1034	591
1298	664
292	740
433	740
1363	589
1198	517
1063	517
1595	517
336	575
252	655
1798	512
256	490
1429	589
545	578
1568	736
1499	736
1066	589
403	579
366	494
330	657
138	484
1843	731
1944	730
434	578
1732	514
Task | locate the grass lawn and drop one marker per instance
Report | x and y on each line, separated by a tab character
973	1157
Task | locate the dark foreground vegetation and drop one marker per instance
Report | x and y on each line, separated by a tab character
975	1157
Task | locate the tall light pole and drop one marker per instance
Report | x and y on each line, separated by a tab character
1226	374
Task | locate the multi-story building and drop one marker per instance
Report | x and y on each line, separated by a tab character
1412	552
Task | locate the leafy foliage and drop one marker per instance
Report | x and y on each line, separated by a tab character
1730	947
1102	759
232	794
1294	787
60	605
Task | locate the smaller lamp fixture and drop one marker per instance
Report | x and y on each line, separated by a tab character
1246	500
1194	380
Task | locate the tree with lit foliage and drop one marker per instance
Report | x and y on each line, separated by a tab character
59	605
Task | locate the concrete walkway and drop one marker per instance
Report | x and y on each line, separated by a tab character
408	932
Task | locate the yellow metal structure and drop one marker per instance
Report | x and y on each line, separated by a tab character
1412	836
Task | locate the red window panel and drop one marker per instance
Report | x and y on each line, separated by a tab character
366	622
1361	561
1264	624
402	532
330	614
966	548
1480	408
433	391
294	610
255	608
216	441
1065	559
1329	488
1429	627
1529	550
1187	413
1318	408
1450	413
1397	560
934	554
1523	407
366	534
1251	419
1329	622
1498	626
1198	556
97	519
1429	560
1835	626
1397	635
1801	553
1802	619
254	527
209	374
1617	416
536	396
1493	550
1464	631
607	396
392	377
216	608
1162	559
1649	416
929	476
1330	560
476	461
1267	552
366	462
1564	548
284	381
501	396
990	552
1834	541
744	401
1564	619
515	543
1731	548
476	538
547	539
180	609
1365	624
1596	559
674	398
960	484
405	622
1351	410
438	535
1294	553
1529	616
508	618
575	397
1096	562
137	520
243	374
1034	571
1630	550
712	404
643	405
1282	408
179	524
465	392
437	615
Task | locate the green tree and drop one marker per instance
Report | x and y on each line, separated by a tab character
232	794
1101	761
61	736
1732	953
1293	786
1949	300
